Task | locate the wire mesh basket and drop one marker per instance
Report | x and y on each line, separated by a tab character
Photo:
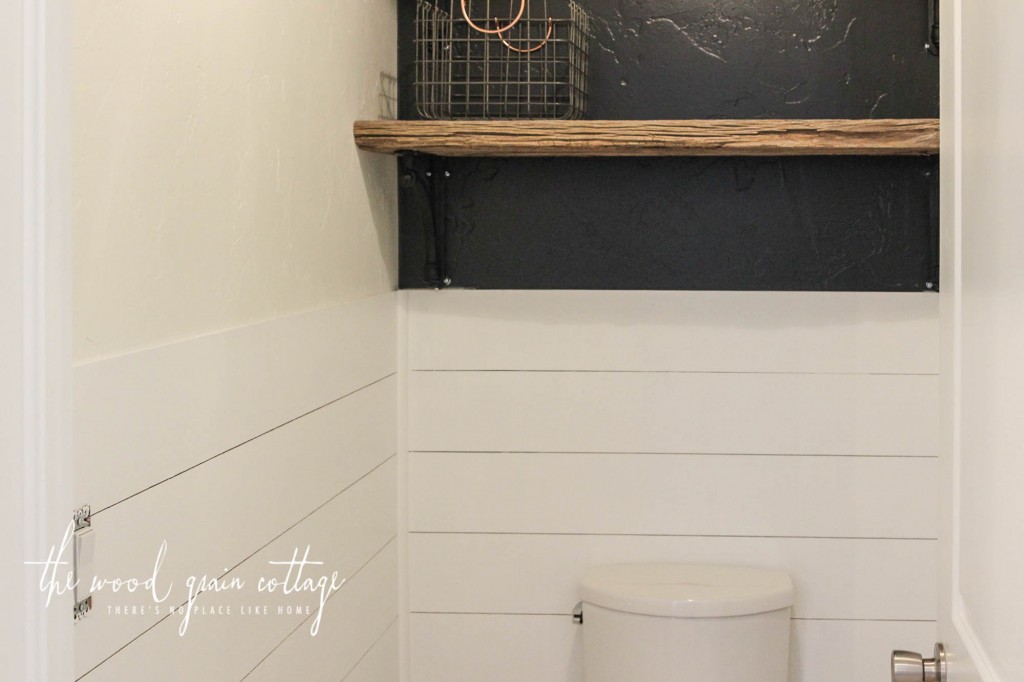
501	59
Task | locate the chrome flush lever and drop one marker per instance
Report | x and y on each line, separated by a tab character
909	666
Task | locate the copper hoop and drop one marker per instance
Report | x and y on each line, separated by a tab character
547	38
465	15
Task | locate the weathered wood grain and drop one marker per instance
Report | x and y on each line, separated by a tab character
824	137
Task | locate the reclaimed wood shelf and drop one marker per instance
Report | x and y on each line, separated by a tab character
750	137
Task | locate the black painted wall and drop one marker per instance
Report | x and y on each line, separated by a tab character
811	223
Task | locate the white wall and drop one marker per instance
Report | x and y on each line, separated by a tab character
216	183
235	332
550	431
235	448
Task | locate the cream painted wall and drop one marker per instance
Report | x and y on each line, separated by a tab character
216	183
218	197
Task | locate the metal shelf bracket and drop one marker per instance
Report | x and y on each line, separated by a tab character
932	43
427	176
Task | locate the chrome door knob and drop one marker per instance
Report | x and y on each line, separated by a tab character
909	666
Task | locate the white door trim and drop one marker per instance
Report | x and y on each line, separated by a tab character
979	658
36	319
951	160
969	660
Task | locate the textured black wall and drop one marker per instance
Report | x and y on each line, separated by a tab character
813	223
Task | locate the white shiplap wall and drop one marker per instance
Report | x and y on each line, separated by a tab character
236	448
551	431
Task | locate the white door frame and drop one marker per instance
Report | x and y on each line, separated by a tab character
35	329
969	659
951	625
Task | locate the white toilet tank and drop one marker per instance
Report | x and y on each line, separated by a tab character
685	623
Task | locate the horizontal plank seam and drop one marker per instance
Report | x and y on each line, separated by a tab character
664	454
250	556
373	646
313	615
342	309
246	442
894	538
671	371
866	620
569	615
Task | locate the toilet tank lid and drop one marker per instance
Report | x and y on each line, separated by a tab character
687	590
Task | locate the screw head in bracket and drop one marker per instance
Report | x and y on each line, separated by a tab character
83	607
